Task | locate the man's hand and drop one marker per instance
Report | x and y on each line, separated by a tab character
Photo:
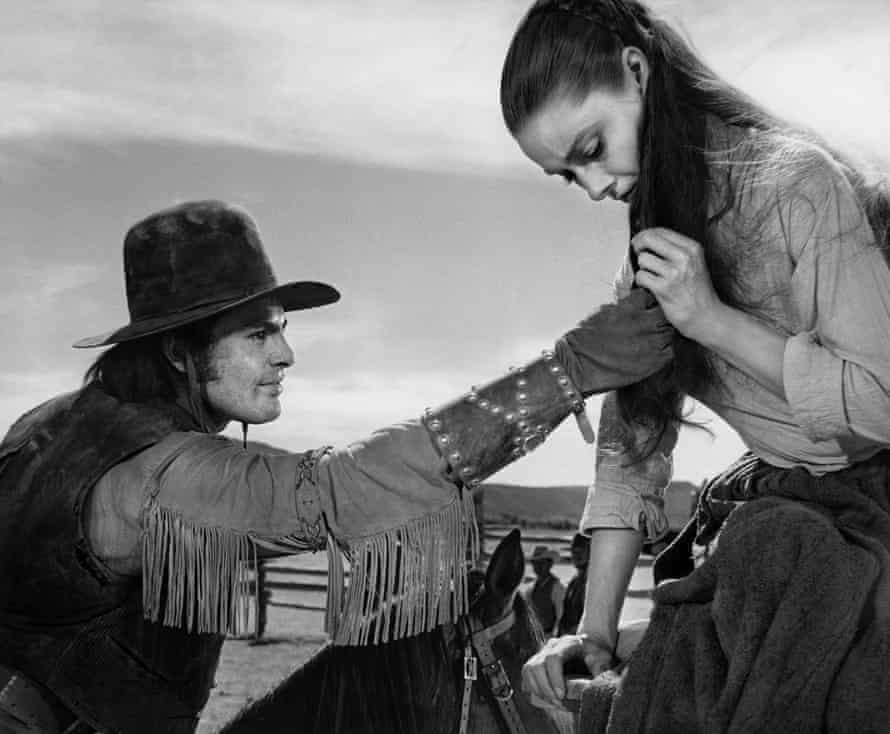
543	676
619	344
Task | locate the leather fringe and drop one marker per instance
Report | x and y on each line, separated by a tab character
194	577
404	581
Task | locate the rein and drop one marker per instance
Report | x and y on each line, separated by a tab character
478	653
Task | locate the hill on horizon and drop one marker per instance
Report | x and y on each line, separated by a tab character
554	506
560	506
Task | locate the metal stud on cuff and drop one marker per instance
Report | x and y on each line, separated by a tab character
527	389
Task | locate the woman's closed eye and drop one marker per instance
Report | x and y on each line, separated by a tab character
593	150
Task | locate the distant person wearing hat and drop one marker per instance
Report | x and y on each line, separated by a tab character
573	606
127	522
547	593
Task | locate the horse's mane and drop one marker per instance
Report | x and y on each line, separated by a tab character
359	682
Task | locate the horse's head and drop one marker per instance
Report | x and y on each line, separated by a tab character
416	685
499	634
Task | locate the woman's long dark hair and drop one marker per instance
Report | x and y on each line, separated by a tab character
570	47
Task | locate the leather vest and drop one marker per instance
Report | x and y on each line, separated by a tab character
573	604
542	600
66	621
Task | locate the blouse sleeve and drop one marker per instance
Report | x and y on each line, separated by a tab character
837	366
626	493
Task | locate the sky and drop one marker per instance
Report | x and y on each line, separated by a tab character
366	140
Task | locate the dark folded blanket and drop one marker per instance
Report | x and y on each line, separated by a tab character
786	628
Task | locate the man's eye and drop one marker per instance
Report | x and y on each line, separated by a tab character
259	335
568	177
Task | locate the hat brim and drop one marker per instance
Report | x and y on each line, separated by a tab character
551	556
295	296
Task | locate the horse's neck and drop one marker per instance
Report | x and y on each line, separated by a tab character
404	687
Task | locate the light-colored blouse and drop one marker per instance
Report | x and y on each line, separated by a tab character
814	273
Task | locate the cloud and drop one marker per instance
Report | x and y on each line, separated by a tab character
21	391
406	83
377	82
29	285
317	411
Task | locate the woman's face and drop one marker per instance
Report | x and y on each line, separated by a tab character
591	142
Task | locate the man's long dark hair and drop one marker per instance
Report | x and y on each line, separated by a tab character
139	372
571	47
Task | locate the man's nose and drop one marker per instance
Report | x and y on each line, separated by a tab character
282	355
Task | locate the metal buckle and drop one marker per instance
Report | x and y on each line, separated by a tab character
470	669
505	693
499	681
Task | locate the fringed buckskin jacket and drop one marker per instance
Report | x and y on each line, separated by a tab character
137	653
125	535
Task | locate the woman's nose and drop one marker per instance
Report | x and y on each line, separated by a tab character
597	184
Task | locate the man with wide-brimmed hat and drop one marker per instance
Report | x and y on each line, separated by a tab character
127	523
546	593
573	603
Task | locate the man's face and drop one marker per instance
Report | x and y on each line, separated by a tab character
246	363
541	568
580	557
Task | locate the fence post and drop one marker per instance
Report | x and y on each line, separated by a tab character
262	597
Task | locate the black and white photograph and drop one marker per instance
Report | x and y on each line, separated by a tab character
471	367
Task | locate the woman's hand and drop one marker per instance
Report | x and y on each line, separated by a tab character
673	268
543	677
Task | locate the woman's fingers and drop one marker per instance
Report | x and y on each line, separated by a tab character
653	264
545	703
536	680
542	674
661	239
553	664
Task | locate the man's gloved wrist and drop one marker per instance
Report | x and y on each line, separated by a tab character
496	423
619	344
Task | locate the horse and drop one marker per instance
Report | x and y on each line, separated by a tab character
457	678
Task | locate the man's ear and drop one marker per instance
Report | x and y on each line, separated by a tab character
172	348
636	66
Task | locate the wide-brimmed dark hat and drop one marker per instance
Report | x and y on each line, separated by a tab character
196	260
543	553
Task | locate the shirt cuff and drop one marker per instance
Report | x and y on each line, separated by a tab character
608	506
813	381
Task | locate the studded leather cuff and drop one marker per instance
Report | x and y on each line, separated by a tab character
495	424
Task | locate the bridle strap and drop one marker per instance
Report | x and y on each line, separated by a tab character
470	675
478	645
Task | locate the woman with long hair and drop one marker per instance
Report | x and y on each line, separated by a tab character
767	251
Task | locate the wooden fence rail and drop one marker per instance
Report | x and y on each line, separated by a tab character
275	579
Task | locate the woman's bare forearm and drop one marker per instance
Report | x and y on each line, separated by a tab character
613	556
